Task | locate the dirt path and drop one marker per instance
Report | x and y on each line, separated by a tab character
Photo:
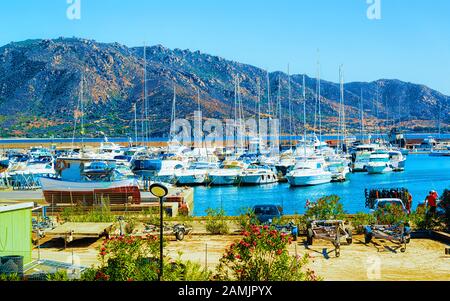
423	260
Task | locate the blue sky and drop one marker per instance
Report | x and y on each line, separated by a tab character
411	42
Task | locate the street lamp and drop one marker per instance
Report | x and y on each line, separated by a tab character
160	192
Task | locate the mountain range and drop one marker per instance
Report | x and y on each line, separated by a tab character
41	80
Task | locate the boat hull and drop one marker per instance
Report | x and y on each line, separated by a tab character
90	193
220	180
195	179
378	169
258	179
309	180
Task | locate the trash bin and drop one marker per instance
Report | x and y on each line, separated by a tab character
11	265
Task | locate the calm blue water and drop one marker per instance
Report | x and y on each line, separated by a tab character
423	173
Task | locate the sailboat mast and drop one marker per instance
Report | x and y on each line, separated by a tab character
172	119
135	123
145	94
269	100
290	108
279	109
362	116
344	129
319	106
304	115
259	107
82	113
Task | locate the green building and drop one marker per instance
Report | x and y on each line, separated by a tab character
16	230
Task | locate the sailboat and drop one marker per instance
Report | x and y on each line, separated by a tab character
203	162
309	170
338	164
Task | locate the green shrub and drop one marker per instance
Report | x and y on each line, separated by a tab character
246	219
419	219
215	222
360	220
326	208
98	214
391	214
9	277
58	276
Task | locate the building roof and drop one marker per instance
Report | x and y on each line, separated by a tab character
6	206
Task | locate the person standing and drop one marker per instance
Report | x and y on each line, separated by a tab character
431	202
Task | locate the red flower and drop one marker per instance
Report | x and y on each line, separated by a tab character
279	252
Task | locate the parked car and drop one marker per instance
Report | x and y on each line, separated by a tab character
267	214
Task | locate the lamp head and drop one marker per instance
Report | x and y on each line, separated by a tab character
159	190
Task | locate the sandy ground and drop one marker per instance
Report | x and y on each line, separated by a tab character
423	260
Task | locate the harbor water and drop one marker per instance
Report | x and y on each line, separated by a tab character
423	173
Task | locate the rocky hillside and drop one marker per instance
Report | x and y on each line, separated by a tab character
40	89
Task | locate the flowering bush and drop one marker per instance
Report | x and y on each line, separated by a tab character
262	255
325	208
128	258
125	258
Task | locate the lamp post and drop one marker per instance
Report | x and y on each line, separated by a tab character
160	192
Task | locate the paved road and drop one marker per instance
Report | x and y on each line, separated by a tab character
26	195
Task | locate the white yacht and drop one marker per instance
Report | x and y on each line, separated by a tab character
339	168
196	174
258	175
228	174
397	159
441	152
361	157
379	163
309	172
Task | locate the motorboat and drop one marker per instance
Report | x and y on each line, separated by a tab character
227	174
379	163
76	182
397	159
258	175
195	174
361	156
309	172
